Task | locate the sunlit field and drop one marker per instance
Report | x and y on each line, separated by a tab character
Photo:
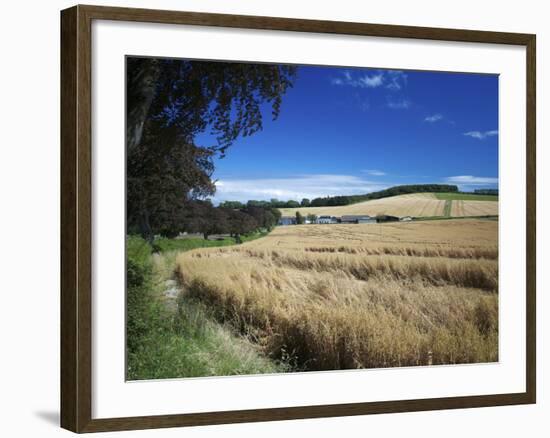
325	297
415	204
473	208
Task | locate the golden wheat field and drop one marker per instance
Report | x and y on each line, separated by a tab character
415	204
332	297
474	208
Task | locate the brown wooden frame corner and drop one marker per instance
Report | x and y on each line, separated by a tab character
76	173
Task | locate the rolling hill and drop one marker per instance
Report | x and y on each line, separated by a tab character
415	204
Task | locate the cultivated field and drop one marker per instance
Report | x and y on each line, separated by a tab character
474	208
415	204
325	297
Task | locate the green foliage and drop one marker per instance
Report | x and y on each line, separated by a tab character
234	205
169	103
292	204
312	218
455	218
143	312
486	191
253	236
299	218
461	196
197	346
189	343
186	244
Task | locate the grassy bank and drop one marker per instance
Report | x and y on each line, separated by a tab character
441	218
185	342
186	244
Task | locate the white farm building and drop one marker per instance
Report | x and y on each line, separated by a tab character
326	220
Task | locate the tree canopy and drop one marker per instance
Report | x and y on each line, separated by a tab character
170	102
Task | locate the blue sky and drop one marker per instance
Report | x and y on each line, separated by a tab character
355	130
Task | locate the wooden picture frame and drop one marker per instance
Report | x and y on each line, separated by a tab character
76	218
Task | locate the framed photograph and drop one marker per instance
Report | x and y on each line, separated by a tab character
269	219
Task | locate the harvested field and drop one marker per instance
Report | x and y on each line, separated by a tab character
331	297
474	208
416	204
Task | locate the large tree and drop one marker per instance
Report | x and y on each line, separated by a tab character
170	102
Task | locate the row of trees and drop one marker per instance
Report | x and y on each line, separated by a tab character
273	203
486	192
202	217
345	199
169	103
386	193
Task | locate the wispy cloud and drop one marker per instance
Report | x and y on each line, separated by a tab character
372	81
374	172
434	118
396	79
296	187
359	81
399	104
470	180
481	135
390	79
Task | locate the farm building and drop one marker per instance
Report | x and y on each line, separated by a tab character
326	220
405	219
358	219
287	220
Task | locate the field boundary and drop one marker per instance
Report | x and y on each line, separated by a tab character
447	208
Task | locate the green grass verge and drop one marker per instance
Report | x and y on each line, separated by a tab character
447	208
196	346
465	197
164	244
443	218
188	342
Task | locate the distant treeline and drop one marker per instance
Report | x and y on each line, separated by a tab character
345	199
486	192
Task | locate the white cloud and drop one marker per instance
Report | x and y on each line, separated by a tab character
399	104
296	187
372	81
434	118
374	172
481	135
470	180
359	81
392	79
396	79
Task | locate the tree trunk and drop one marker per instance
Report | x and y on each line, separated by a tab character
145	227
143	75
